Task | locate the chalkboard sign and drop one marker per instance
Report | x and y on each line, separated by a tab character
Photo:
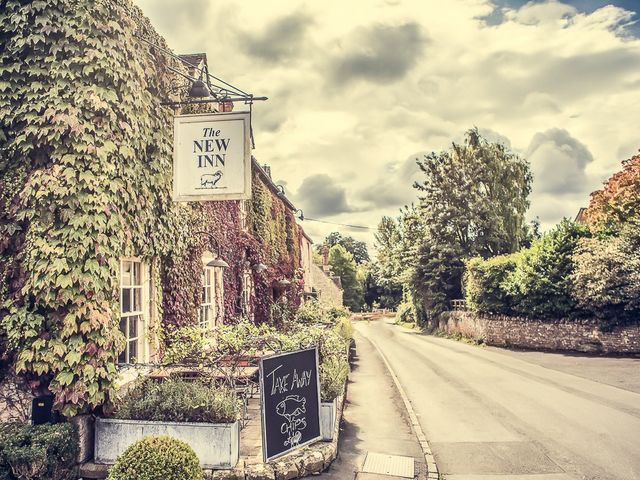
290	390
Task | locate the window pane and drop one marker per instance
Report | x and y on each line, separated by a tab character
122	358
137	278
137	300
126	300
203	316
126	273
133	350
133	326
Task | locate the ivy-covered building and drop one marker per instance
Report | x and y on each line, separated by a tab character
98	266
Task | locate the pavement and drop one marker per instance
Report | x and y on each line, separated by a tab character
494	414
374	420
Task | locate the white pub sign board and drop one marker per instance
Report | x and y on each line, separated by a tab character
212	157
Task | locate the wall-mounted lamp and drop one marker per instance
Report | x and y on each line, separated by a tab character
300	214
260	267
218	261
199	89
281	189
284	283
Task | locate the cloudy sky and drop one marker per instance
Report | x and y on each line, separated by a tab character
359	89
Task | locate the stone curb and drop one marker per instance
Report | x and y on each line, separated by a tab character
432	468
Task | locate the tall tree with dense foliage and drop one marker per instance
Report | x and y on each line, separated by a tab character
618	201
386	271
473	199
355	247
344	266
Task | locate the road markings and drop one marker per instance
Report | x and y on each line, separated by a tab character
432	468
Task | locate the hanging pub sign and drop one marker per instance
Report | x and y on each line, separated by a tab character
212	157
290	392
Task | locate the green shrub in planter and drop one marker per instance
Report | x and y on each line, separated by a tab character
333	375
188	345
37	452
157	458
177	400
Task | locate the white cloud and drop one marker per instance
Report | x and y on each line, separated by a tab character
344	104
535	13
561	180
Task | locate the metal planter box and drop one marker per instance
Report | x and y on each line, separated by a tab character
216	444
328	412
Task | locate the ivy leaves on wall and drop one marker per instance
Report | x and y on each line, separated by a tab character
85	179
85	172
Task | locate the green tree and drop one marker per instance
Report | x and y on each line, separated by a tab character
357	248
473	198
344	266
383	282
436	279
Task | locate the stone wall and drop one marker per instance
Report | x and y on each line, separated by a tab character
328	291
567	335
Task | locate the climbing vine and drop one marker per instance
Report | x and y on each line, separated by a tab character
85	179
85	174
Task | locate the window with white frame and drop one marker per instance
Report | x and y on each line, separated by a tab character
243	215
247	293
208	305
219	296
133	309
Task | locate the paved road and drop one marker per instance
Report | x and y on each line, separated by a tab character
498	415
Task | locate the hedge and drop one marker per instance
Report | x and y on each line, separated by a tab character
484	284
535	282
37	452
606	280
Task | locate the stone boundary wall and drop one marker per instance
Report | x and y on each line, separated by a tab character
563	335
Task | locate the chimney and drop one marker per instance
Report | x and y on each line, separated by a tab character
326	268
267	169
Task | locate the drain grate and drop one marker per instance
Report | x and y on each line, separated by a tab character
384	464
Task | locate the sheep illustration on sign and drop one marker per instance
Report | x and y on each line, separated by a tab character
210	180
292	408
